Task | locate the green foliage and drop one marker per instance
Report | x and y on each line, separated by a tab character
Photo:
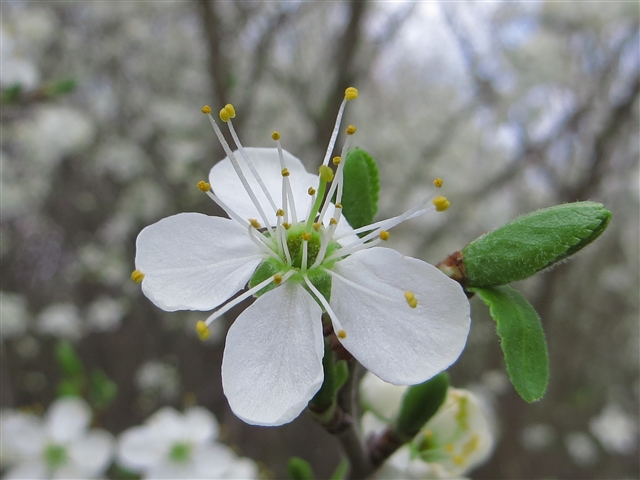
361	188
102	391
326	396
521	338
341	471
299	469
419	404
68	360
532	243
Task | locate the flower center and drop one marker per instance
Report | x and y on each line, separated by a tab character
55	456
180	452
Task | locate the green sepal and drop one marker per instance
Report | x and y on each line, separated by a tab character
268	268
102	390
326	396
342	373
299	469
532	243
419	404
68	360
341	471
361	188
521	338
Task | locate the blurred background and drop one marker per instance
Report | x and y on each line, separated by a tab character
517	106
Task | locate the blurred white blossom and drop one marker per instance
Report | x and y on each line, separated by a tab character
581	448
538	437
58	446
13	315
105	314
159	377
616	430
458	438
61	320
172	445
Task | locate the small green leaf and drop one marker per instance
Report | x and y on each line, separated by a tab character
299	469
341	471
419	404
521	338
102	389
532	243
325	397
68	360
63	86
70	388
361	188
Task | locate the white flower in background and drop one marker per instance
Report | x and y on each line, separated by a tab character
160	377
105	314
582	449
458	438
13	315
400	317
60	320
60	446
173	445
616	430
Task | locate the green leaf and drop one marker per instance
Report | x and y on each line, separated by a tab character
299	469
419	404
532	243
521	338
326	396
102	389
341	471
68	360
70	388
361	188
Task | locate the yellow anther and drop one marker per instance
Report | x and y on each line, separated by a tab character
441	204
137	276
280	213
471	446
384	235
286	225
351	93
333	221
437	182
448	448
342	334
206	109
428	434
204	186
411	299
458	460
316	226
311	191
277	279
224	115
351	130
285	172
326	174
203	330
336	160
338	205
275	136
255	223
306	236
230	110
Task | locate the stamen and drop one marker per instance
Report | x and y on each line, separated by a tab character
228	210
336	160
277	279
206	109
333	221
204	186
286	226
240	298
342	334
275	135
351	129
261	241
239	172
384	235
411	299
231	111
305	251
280	213
357	286
320	297
349	94
137	276
287	192
255	224
203	330
441	203
351	249
316	226
438	182
282	240
285	172
311	191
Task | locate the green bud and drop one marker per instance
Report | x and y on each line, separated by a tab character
299	469
531	243
419	404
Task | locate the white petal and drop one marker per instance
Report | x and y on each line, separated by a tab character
400	344
381	397
35	469
343	229
139	450
194	262
243	469
91	455
212	460
23	436
272	363
200	424
68	419
167	425
226	184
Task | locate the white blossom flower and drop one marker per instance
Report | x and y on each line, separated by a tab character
174	445
58	447
400	317
616	430
61	320
13	315
458	438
